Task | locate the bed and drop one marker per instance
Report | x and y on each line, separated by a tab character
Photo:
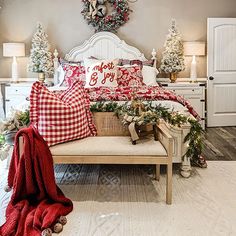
106	45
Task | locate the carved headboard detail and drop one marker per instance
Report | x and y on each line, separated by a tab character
102	45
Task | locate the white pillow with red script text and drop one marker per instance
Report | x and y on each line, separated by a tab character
100	73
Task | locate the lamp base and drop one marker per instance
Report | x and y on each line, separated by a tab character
193	70
14	71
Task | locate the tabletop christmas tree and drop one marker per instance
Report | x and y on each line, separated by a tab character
173	55
40	60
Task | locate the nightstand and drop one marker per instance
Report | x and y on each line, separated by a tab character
16	94
193	92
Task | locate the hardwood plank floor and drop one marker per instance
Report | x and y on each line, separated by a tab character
220	143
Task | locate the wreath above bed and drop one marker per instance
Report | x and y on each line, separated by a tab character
95	12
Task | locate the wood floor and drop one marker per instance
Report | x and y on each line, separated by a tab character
220	143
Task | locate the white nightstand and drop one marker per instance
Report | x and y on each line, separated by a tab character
193	92
16	94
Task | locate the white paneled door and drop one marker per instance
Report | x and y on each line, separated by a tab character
221	84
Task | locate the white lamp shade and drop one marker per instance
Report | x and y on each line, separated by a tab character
194	48
13	49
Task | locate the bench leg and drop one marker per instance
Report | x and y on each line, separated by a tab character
169	184
158	172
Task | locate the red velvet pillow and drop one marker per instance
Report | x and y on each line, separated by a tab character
74	73
130	76
61	117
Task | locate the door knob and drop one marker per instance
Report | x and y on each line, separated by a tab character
211	78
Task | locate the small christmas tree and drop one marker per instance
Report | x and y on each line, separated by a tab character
173	55
40	57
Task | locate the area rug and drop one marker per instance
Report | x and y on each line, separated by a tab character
125	200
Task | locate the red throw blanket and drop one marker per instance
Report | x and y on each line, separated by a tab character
36	202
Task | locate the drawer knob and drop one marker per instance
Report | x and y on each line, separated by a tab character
27	99
211	78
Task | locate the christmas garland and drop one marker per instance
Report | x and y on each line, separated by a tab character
95	12
152	114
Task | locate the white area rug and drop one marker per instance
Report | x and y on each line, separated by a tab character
204	204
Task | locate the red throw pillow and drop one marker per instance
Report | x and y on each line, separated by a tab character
61	117
74	73
123	62
130	76
63	62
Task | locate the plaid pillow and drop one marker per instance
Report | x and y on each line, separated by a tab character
130	76
61	117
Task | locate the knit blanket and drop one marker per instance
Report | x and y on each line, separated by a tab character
37	203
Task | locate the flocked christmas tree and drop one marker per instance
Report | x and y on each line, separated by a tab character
173	55
40	56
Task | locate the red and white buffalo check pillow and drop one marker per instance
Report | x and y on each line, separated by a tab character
61	117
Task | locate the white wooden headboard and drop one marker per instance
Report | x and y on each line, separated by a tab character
102	45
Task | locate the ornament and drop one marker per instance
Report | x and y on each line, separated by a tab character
92	9
101	10
102	22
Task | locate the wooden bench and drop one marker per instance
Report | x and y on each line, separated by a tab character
119	150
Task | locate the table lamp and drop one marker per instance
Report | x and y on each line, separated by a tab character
14	50
194	49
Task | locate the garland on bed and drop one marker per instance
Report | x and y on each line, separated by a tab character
95	13
145	112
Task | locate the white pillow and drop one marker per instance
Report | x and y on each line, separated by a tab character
100	73
61	76
149	75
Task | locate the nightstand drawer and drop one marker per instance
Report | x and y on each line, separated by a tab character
15	103
16	96
17	90
186	91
